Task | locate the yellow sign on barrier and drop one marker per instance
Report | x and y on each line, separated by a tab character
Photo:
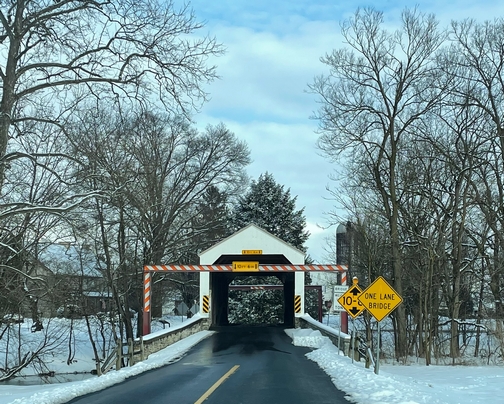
244	266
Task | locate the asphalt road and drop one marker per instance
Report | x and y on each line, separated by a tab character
236	365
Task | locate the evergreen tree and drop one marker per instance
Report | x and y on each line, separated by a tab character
209	225
256	306
272	208
214	218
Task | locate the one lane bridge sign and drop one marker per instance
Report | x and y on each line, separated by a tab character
380	299
350	300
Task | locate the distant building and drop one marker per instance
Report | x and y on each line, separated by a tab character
76	285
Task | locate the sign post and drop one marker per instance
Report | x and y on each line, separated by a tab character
328	305
380	299
377	363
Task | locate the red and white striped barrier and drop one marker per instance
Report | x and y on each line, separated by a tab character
147	291
229	268
224	268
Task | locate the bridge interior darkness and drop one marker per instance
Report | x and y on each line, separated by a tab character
220	281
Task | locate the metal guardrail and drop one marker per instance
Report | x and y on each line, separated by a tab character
116	356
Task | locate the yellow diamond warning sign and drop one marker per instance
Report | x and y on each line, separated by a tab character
380	299
350	300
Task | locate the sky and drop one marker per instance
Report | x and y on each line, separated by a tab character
273	51
413	384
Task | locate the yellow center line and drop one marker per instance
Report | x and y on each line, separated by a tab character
217	384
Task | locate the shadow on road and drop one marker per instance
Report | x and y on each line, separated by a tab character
249	339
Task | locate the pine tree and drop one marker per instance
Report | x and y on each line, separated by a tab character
272	208
214	217
209	226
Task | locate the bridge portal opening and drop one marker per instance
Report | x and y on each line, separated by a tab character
236	303
256	300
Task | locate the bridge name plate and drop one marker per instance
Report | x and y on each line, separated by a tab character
252	252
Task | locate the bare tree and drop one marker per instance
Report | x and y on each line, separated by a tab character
59	55
378	87
450	145
156	170
477	59
33	182
55	54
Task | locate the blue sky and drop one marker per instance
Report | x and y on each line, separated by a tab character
273	53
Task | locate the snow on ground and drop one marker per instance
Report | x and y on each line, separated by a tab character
394	384
403	384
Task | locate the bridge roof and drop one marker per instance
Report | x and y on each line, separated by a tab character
251	238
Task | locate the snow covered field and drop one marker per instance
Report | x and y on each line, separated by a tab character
395	384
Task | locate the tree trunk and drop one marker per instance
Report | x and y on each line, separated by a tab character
480	308
401	348
9	80
455	314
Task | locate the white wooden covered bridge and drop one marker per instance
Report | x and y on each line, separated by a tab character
251	251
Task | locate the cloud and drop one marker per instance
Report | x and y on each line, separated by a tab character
267	15
266	74
321	244
314	228
288	152
262	98
273	53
